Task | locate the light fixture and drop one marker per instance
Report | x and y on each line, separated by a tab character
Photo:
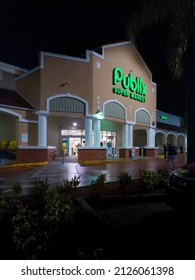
66	83
99	114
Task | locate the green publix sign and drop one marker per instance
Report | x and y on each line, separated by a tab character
129	87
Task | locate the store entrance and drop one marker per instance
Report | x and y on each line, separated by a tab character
70	145
74	143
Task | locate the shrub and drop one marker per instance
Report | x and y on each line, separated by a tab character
75	181
68	185
162	177
124	179
59	209
38	192
97	184
40	188
29	234
4	207
9	205
33	226
17	190
153	179
149	178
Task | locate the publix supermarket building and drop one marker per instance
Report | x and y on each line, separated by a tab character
96	106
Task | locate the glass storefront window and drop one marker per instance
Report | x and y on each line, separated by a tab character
64	132
73	132
105	136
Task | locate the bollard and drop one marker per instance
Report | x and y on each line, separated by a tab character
63	157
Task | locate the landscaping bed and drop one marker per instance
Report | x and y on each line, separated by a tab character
63	223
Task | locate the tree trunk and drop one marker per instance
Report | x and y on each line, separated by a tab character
190	102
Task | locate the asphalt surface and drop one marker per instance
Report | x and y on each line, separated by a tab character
56	171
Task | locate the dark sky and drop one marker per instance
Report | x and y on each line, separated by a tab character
71	27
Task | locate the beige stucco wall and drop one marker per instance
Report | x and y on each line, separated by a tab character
127	58
90	78
30	130
8	127
15	122
29	87
58	71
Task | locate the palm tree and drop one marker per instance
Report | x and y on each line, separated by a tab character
179	17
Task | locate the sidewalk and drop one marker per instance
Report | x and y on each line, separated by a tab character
57	171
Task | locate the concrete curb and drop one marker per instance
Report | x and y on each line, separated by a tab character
32	164
114	160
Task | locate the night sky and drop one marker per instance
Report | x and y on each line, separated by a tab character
27	27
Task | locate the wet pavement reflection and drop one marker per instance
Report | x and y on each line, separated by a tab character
57	171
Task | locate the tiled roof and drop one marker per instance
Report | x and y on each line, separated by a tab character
13	99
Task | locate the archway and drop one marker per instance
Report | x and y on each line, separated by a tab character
112	126
142	120
66	122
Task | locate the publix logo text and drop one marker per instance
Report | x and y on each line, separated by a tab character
129	87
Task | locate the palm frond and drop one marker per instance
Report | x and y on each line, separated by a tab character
179	31
178	15
152	12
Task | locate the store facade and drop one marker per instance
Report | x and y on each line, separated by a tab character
16	114
100	105
171	129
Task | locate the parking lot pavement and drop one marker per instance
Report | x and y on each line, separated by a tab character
56	171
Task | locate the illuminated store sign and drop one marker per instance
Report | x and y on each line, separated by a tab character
130	87
164	117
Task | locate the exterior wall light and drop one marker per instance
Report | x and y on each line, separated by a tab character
99	115
64	84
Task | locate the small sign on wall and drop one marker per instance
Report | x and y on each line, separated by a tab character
24	137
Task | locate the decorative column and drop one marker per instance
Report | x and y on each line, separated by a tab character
151	150
89	153
125	135
88	132
40	152
130	144
97	132
42	128
124	151
151	137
